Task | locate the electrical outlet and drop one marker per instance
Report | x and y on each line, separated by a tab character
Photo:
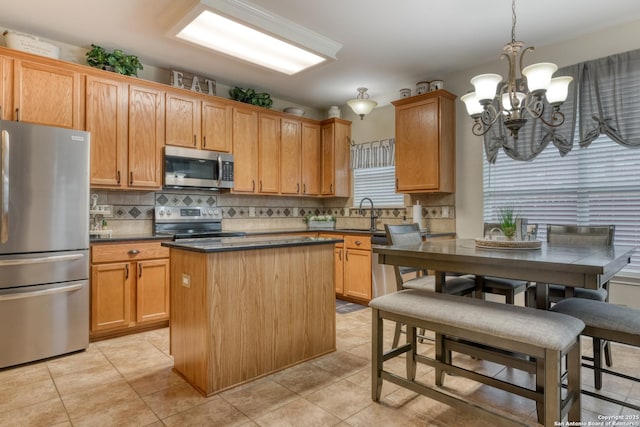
296	212
445	212
186	280
252	211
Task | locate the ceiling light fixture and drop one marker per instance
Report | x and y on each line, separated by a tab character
246	31
362	105
518	97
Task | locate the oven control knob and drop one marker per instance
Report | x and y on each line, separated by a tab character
217	212
161	212
209	212
168	212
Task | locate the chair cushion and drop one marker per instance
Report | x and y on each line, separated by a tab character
601	315
453	285
500	283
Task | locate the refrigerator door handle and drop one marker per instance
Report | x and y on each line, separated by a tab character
24	295
42	260
4	185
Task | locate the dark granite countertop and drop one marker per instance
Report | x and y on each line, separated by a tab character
229	244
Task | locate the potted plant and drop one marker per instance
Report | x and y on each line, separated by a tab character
321	222
250	96
507	219
116	61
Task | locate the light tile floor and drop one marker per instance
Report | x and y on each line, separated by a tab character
128	381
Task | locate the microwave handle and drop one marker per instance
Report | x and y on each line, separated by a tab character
219	170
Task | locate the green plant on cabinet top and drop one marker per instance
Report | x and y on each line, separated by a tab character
121	63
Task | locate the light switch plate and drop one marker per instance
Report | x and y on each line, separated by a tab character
186	280
445	212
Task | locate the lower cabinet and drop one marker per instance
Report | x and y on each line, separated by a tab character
353	268
129	287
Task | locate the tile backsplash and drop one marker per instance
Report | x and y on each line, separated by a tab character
133	211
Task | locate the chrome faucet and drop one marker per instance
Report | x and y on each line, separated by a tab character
372	227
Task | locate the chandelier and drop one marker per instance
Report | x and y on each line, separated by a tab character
519	97
362	105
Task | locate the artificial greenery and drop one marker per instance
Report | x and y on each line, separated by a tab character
120	62
250	96
507	219
328	218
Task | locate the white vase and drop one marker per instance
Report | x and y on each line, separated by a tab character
334	112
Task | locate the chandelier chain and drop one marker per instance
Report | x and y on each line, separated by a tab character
513	21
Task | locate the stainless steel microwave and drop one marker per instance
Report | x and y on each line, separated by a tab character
189	168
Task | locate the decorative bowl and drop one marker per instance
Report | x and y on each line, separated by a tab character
294	110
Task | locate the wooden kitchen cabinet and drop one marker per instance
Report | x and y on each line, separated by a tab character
245	150
268	153
6	89
425	143
146	137
106	118
352	267
195	122
129	287
290	156
311	159
335	177
182	125
46	94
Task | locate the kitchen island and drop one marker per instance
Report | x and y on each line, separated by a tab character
242	308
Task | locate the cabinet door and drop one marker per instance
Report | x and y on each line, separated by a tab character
6	88
106	119
327	175
357	275
146	137
46	95
311	159
245	150
152	290
417	147
110	296
339	272
341	153
290	156
268	153
182	127
216	126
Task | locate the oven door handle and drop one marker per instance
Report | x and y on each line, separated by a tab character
24	295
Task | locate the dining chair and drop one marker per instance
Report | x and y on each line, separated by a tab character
415	278
508	288
573	235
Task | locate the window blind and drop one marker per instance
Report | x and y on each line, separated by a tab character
379	184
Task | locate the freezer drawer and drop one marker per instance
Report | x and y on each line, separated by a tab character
37	322
42	268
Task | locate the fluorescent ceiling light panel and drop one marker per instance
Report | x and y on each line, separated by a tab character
245	31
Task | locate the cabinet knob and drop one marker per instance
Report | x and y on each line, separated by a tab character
358	242
131	178
134	252
17	114
204	141
126	271
195	143
118	177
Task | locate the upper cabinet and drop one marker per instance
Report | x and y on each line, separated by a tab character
245	149
146	137
336	139
311	159
106	118
425	143
268	153
290	156
195	122
46	94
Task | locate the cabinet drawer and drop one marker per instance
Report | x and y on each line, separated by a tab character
127	252
358	242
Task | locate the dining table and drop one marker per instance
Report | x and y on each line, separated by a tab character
586	267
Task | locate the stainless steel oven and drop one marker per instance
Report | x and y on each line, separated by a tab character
192	222
189	168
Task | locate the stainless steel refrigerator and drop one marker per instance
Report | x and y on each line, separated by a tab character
44	242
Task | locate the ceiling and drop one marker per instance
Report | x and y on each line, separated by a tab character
386	45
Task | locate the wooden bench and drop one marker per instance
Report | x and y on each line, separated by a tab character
604	322
539	337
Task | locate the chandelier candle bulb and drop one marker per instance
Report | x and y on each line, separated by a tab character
486	86
558	90
471	102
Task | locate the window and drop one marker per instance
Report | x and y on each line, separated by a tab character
598	185
378	184
374	173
